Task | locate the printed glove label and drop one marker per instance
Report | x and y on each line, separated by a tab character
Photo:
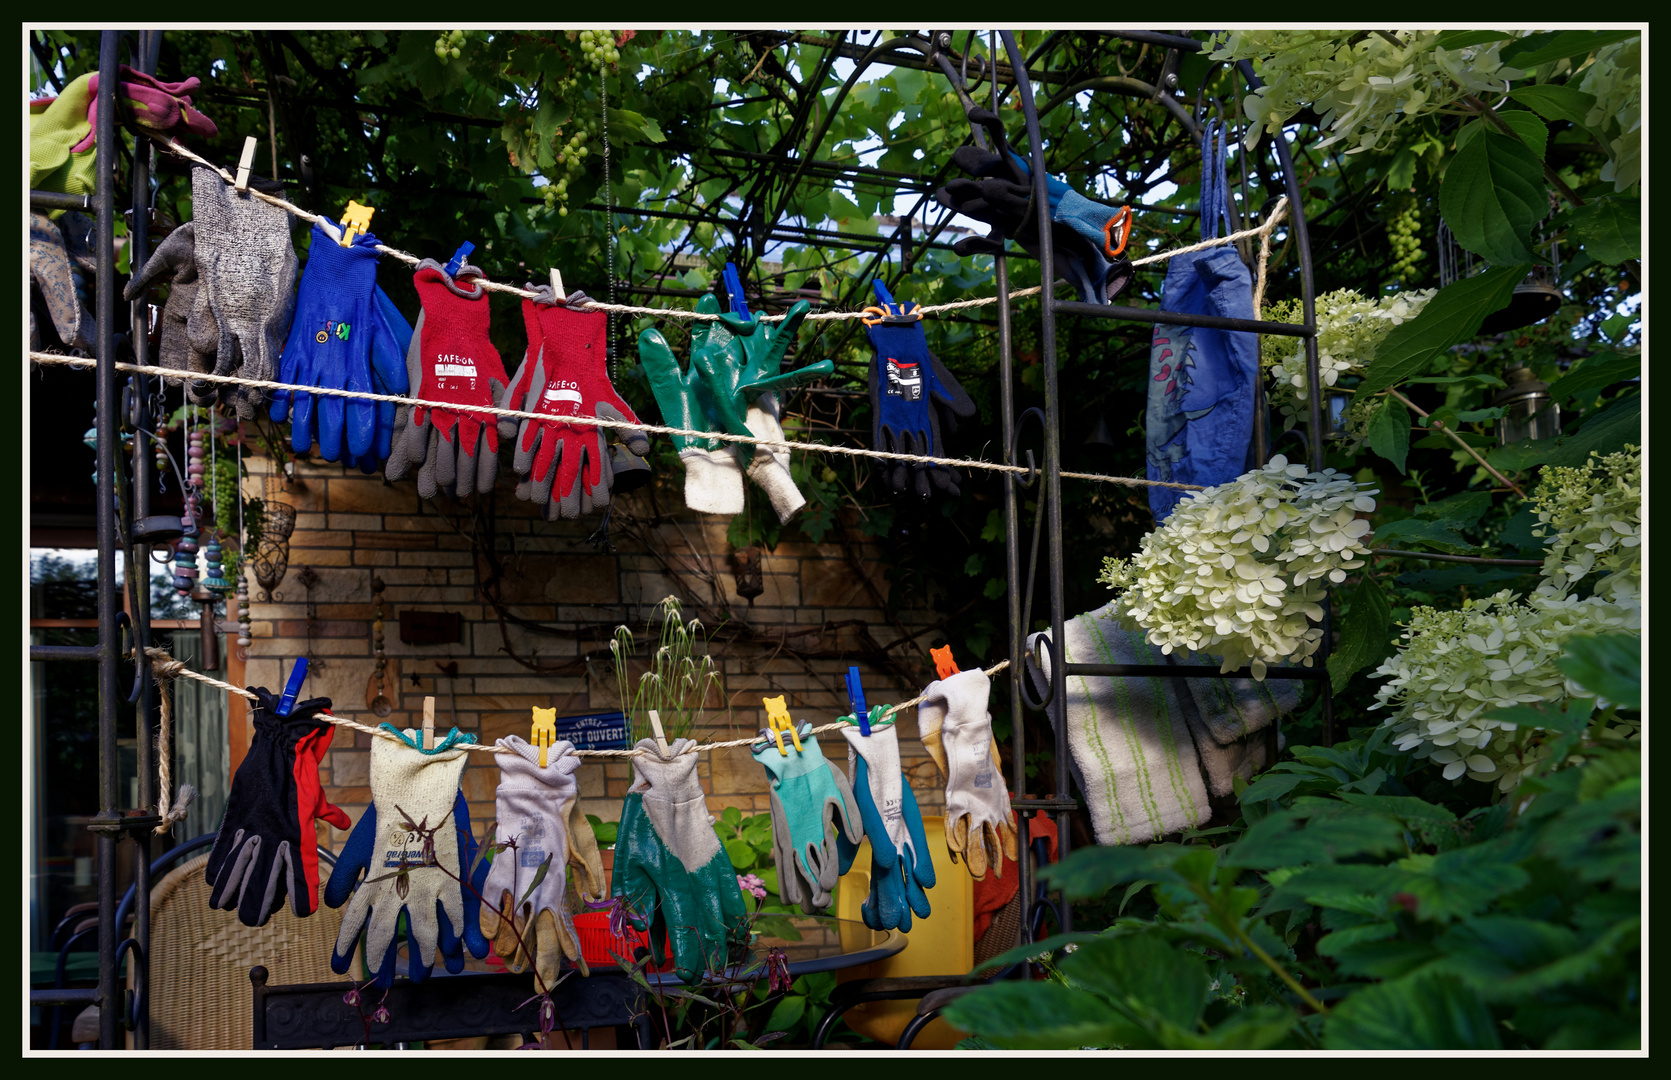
563	390
450	366
405	849
530	842
905	380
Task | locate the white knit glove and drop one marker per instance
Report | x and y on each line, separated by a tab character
770	468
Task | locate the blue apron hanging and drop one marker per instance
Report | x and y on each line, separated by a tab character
1199	423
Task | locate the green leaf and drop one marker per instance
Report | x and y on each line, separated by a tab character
1143	974
731	816
539	876
1607	665
1594	374
1610	229
1492	196
1535	50
1401	174
1092	871
1365	634
1433	534
787	1013
1426	1011
1034	948
1389	432
1461	39
1532	131
1340	833
1610	428
637	125
1036	1016
1453	315
1556	101
740	852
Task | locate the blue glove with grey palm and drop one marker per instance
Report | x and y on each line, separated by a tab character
900	866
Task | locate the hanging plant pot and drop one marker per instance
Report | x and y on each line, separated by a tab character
746	567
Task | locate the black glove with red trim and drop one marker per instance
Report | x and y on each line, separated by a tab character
267	846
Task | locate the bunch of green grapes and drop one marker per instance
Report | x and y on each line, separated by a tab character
448	46
1404	233
598	46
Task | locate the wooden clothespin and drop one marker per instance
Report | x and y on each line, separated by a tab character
661	736
244	163
427	735
355	219
557	292
293	688
856	698
779	723
944	666
544	731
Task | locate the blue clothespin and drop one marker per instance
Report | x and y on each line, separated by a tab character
856	698
734	292
293	688
459	256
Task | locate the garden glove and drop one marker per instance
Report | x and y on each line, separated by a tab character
391	340
246	266
535	807
453	360
672	871
900	866
911	394
957	730
176	257
267	846
713	479
442	914
741	368
49	266
1089	238
805	791
566	467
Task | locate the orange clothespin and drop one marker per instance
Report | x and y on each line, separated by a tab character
355	219
1122	222
544	731
944	666
779	724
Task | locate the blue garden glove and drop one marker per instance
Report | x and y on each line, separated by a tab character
805	790
442	915
713	479
331	344
900	865
671	870
388	376
910	392
1088	238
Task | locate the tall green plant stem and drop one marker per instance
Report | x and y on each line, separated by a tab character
1475	454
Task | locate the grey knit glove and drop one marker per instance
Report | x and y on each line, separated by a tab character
247	266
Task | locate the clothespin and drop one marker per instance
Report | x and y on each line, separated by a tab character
734	291
944	666
661	736
244	163
427	735
544	731
891	313
557	284
779	724
458	258
293	688
856	698
355	219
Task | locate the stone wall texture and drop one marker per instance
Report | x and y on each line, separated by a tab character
822	604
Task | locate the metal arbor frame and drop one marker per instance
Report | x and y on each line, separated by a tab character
125	526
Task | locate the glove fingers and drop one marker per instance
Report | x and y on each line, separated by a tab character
423	927
233	869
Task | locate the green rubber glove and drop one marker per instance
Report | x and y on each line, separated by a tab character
671	869
744	359
804	792
713	478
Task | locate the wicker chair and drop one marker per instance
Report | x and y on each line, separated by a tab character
201	959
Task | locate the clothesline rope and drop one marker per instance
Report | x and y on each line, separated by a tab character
595	421
165	666
1263	230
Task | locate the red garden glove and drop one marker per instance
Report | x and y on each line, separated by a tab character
452	360
566	467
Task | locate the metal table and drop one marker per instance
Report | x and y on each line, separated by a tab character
484	999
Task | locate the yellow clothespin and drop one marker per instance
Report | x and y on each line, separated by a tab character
944	666
427	736
557	284
544	731
779	724
244	163
355	219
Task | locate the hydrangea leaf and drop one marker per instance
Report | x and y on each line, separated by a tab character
1492	196
1453	315
1365	633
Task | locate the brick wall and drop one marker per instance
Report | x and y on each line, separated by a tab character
822	600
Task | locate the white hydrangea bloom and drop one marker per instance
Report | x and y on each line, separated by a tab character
1593	516
1350	327
1242	569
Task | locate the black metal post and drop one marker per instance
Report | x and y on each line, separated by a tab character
109	402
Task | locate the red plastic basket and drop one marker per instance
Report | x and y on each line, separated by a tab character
601	948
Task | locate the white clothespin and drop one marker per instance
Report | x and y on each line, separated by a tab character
427	736
661	736
557	285
244	164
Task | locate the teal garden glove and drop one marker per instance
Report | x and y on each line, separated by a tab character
804	791
671	870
